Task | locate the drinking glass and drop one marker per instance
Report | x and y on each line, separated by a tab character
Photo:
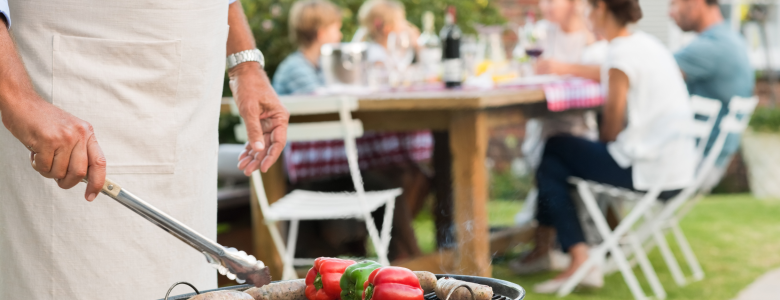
400	55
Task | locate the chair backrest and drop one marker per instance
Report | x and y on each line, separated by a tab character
345	128
742	106
735	122
707	111
314	131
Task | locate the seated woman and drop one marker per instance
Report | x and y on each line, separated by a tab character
641	142
568	41
313	23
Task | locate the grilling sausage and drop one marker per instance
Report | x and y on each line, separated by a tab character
427	280
223	295
284	290
446	285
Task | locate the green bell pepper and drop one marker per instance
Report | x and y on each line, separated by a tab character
354	277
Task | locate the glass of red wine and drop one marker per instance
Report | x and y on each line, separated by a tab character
533	45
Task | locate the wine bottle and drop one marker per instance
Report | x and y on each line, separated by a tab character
430	49
450	39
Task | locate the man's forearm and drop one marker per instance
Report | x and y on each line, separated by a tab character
14	82
240	35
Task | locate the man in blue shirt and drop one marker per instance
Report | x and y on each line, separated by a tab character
715	64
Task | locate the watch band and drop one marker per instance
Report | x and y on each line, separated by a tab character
245	56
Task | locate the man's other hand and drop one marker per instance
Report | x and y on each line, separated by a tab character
265	117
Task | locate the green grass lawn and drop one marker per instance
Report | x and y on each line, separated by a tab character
736	238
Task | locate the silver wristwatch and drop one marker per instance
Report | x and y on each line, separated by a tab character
245	56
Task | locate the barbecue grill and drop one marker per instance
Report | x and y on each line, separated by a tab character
502	290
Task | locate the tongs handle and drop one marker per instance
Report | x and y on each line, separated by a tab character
161	219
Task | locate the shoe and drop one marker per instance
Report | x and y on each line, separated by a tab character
559	261
593	280
538	265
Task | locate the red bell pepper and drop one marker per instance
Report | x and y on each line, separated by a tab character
392	283
322	281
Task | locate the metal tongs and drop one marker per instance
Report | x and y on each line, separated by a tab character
228	261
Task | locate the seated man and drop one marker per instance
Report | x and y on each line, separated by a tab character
715	65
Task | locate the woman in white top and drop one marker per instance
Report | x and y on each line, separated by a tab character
567	41
641	143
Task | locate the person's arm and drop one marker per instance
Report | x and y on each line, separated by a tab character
5	16
62	146
549	66
698	60
265	117
614	111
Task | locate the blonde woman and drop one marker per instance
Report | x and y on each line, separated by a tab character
570	48
378	19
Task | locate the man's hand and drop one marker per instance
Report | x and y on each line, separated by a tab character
61	146
265	117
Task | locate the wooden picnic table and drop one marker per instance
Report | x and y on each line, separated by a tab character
460	121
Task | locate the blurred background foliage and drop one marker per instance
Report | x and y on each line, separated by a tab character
268	19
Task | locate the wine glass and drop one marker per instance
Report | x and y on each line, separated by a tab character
400	53
533	40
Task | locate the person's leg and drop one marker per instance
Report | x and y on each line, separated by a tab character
564	157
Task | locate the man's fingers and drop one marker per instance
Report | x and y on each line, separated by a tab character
251	167
245	152
244	162
59	165
254	130
270	158
42	161
277	140
97	169
77	169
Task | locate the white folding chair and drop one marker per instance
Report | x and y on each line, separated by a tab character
707	111
306	205
740	110
654	223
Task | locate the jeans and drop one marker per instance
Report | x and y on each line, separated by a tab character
566	156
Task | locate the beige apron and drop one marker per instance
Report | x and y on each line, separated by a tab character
147	74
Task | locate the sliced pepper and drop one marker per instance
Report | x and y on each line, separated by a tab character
322	281
392	283
354	277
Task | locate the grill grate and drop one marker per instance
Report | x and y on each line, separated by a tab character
432	296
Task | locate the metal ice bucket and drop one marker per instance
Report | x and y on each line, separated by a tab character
345	63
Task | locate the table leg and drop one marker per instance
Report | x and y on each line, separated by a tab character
275	188
442	180
468	143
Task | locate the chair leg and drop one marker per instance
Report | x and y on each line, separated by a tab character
610	244
666	253
685	247
289	257
647	268
387	225
280	248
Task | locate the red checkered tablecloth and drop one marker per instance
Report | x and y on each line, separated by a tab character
573	93
322	159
